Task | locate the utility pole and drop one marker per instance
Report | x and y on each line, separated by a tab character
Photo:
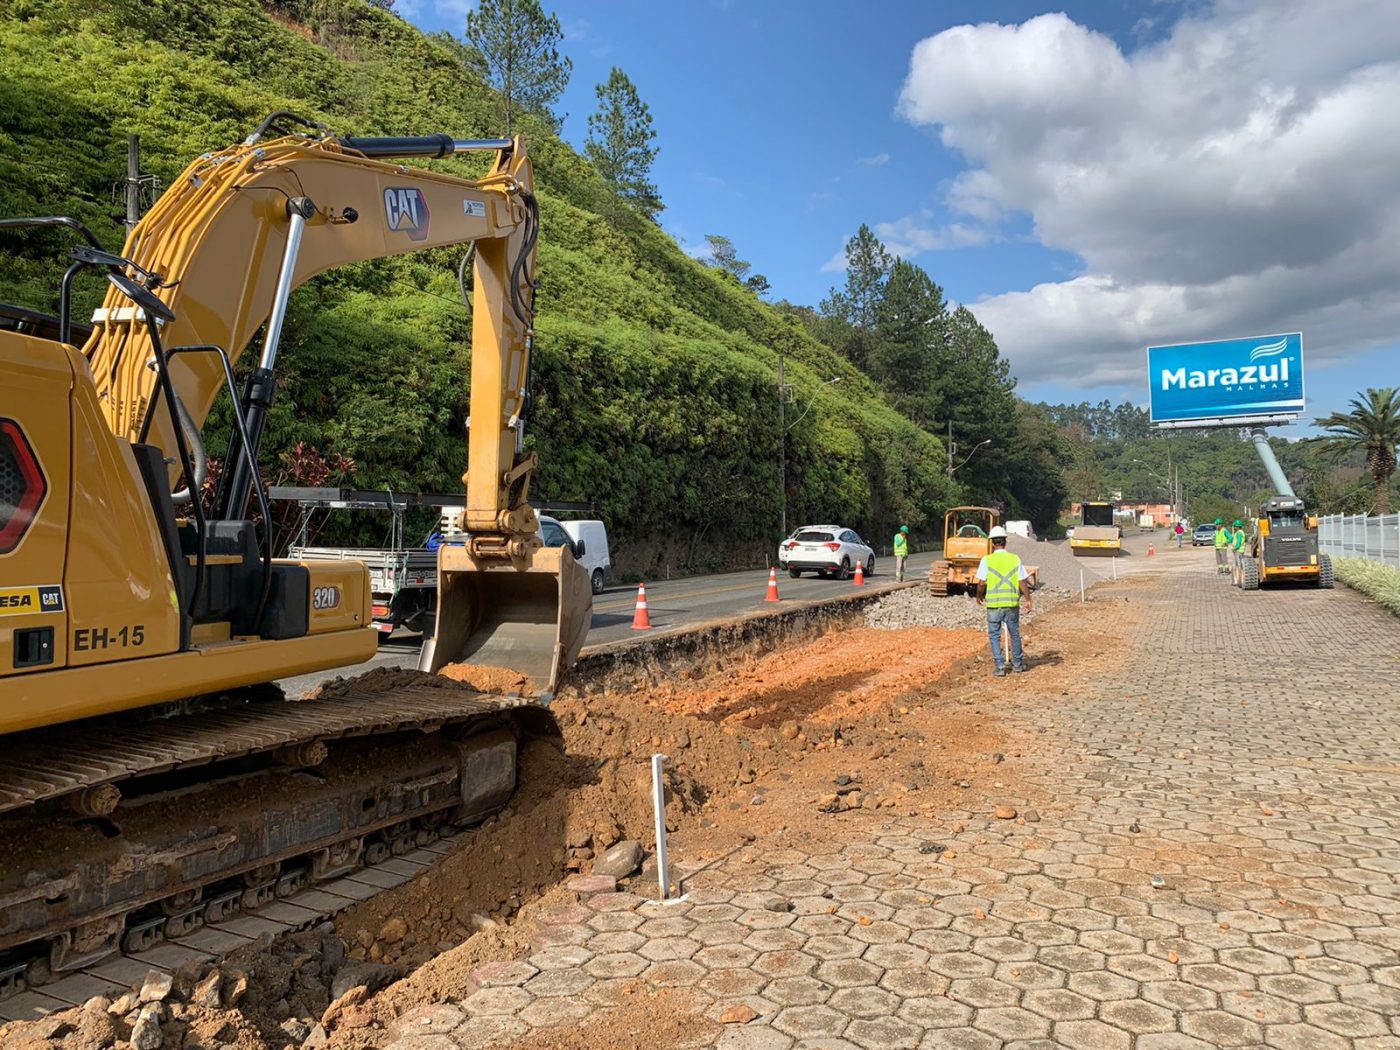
133	182
782	452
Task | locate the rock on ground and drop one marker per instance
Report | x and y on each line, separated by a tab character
620	860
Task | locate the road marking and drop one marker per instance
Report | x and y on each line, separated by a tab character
688	594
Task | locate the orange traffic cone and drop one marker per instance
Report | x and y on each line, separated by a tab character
641	621
860	575
1150	551
772	595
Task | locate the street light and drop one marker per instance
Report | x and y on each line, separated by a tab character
953	451
784	392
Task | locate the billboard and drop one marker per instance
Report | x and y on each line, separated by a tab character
1233	381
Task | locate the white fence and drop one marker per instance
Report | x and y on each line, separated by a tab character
1358	536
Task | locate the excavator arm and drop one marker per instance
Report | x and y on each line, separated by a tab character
223	249
241	229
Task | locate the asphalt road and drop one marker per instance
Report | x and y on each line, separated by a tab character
672	604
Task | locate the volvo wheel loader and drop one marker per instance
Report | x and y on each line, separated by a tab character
1284	547
152	778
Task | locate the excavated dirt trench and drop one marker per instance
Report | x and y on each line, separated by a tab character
757	740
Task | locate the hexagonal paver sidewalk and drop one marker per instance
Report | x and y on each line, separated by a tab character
1222	869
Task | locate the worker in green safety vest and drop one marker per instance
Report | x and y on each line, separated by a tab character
1222	546
1237	542
901	551
1002	584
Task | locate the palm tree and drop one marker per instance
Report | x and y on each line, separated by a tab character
1373	427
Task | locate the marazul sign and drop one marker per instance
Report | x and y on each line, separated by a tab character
1235	379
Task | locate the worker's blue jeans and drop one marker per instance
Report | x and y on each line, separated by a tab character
1012	619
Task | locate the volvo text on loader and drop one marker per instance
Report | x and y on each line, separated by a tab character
151	777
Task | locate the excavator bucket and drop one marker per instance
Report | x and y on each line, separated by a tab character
531	618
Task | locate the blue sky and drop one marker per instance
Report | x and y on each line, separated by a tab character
780	125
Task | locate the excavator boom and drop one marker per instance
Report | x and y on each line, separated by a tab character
240	230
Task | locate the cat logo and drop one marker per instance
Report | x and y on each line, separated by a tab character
23	601
406	211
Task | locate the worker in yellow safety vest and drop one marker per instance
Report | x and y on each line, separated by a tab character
1002	584
1237	542
1222	546
901	551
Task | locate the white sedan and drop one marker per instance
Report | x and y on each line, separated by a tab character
827	550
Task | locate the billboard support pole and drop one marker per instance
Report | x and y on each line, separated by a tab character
1275	472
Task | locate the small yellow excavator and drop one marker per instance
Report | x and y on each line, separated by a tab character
152	779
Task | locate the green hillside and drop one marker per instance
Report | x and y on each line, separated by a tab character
655	375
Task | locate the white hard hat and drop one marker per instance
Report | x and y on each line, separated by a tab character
997	533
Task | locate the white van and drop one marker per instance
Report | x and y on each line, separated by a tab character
592	536
1020	528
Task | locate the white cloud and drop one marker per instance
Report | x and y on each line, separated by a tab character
912	235
837	263
1237	175
879	160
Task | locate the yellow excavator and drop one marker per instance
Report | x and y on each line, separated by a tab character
152	777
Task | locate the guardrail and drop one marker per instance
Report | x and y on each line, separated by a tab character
1374	538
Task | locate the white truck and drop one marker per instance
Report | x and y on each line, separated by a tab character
591	549
1020	528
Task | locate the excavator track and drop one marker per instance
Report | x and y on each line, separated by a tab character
119	834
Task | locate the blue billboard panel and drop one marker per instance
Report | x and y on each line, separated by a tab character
1226	379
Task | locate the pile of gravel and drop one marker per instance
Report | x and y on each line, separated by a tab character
1058	566
920	607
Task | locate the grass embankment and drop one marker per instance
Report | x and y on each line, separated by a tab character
655	377
1378	582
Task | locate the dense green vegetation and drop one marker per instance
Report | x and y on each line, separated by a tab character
1112	448
943	370
656	384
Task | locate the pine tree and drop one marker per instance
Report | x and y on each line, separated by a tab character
518	45
909	335
867	269
620	143
724	256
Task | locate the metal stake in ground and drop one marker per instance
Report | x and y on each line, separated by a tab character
658	799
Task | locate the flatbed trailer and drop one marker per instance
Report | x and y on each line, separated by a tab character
403	579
